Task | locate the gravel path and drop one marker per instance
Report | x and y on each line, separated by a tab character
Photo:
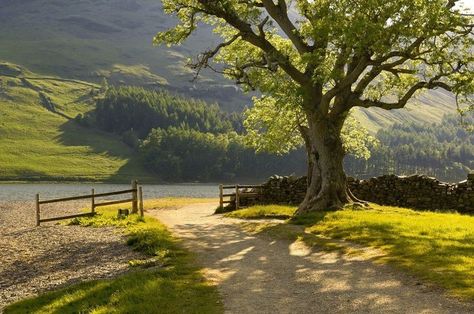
263	275
37	259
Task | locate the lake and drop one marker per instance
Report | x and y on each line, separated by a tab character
27	191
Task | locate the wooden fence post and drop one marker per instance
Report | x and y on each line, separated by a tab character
221	196
37	210
93	201
140	194
134	197
237	200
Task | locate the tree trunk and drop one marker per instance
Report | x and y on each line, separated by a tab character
310	155
327	189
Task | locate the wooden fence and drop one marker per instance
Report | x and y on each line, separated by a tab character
136	199
239	192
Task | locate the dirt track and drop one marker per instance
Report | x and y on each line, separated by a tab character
263	275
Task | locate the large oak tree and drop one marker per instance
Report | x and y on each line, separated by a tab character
321	58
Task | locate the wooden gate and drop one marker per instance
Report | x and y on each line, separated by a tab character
240	192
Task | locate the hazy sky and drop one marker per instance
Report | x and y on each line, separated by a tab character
469	4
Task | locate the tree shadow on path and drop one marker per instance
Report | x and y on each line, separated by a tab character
267	275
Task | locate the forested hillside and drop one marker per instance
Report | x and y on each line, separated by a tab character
61	129
182	139
444	150
53	128
139	110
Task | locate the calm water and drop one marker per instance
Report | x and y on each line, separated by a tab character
27	192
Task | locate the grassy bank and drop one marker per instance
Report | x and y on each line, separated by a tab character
263	212
437	247
168	281
40	142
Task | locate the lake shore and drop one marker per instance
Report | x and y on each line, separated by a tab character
38	259
27	191
54	180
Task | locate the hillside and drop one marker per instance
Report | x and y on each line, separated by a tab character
90	39
39	140
430	107
43	138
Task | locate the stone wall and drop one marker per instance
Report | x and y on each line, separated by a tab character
419	192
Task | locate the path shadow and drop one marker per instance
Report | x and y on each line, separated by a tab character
267	275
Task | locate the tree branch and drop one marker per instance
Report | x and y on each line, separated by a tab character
355	69
367	103
258	41
279	13
203	59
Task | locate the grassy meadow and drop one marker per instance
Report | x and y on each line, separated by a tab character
36	143
437	247
168	280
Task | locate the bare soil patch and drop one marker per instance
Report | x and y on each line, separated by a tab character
37	259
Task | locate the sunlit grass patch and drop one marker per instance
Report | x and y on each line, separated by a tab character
167	282
263	211
438	247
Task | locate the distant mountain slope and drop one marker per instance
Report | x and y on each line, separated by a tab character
38	140
88	39
429	107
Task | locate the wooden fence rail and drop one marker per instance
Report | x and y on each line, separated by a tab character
136	200
237	195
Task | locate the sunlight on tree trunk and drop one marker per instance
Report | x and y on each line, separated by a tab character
328	187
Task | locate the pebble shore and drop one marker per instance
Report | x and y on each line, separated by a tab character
37	259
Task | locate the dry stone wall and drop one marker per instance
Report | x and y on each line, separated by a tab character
417	191
420	192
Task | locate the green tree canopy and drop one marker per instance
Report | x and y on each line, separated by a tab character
322	58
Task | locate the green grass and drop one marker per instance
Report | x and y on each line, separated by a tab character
38	144
262	211
168	282
437	247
